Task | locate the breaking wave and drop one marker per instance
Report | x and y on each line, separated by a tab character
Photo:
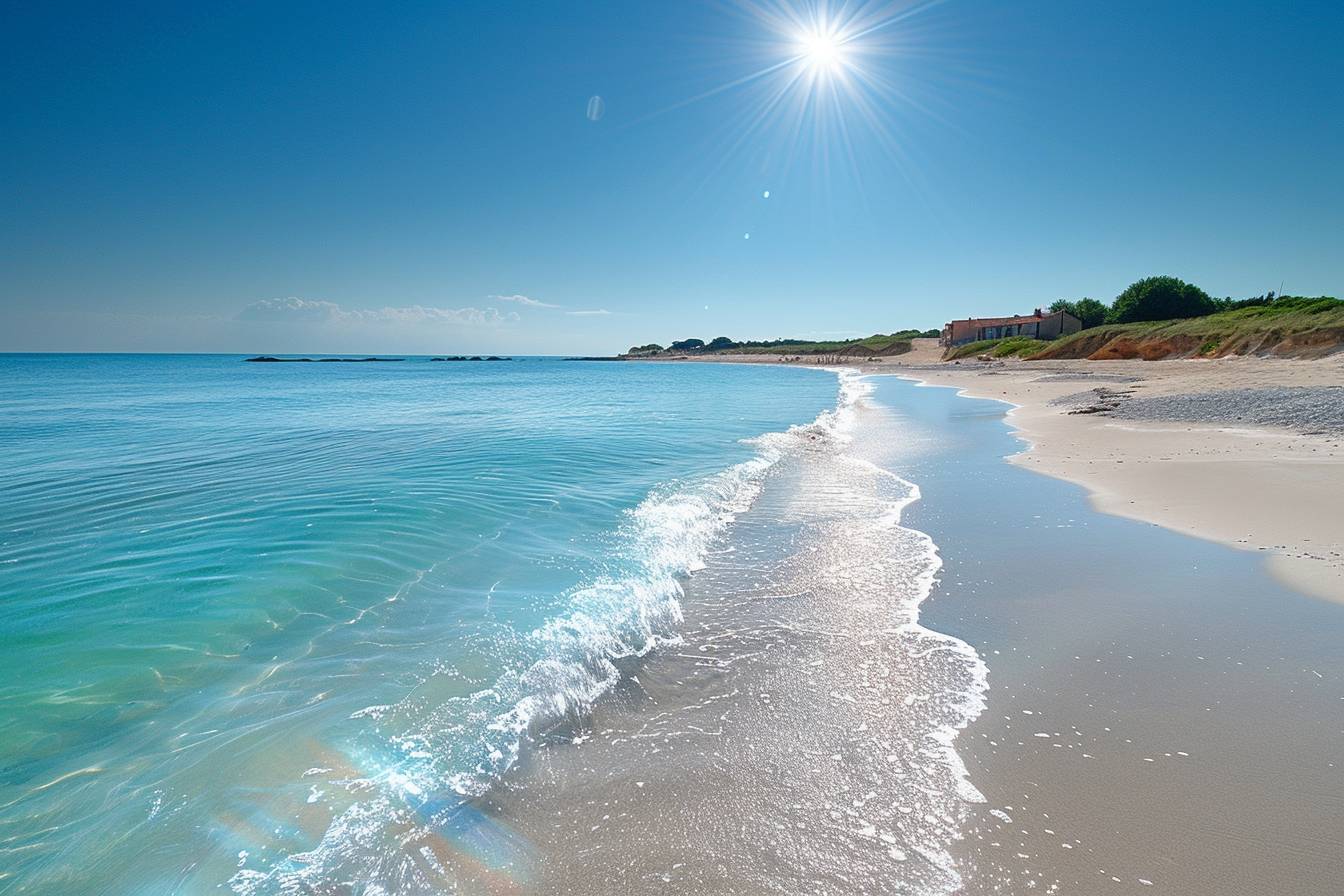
457	750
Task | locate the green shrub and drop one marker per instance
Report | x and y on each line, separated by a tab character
1012	346
1091	312
1160	298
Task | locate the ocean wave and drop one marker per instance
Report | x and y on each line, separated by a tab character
573	660
667	537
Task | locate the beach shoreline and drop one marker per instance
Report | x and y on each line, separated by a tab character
1140	682
1266	489
1125	732
823	657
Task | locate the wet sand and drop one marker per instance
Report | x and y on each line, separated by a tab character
1162	716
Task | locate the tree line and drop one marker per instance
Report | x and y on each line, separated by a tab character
1160	298
1149	299
723	343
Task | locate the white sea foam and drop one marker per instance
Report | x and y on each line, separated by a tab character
668	536
868	555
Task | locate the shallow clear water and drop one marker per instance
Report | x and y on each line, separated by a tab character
798	737
244	606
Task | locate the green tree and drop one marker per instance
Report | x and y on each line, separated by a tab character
1091	312
1160	298
718	343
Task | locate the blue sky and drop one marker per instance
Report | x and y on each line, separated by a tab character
425	177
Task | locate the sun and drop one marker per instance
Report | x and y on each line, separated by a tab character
822	49
830	78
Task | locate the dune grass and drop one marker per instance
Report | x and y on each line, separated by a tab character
894	343
1238	331
1009	347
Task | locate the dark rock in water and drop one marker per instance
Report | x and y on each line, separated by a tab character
267	359
450	358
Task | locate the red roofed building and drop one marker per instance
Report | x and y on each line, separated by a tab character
1038	326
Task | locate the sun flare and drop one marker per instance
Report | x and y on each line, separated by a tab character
822	50
830	78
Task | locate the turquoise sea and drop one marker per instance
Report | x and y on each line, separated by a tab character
545	626
243	603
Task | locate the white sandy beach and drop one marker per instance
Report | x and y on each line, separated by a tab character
1256	488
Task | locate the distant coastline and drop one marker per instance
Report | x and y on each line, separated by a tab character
1154	318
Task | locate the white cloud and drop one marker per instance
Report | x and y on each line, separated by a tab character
305	310
525	300
292	308
588	312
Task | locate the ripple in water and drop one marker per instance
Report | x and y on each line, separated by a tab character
252	611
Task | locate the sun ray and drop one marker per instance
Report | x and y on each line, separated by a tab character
837	87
